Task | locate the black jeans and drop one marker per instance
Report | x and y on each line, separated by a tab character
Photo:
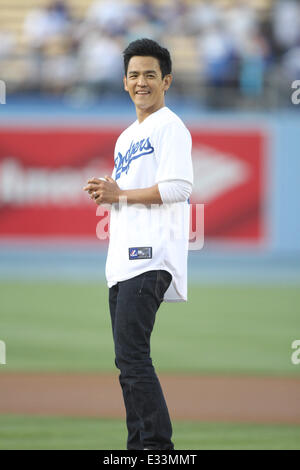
133	305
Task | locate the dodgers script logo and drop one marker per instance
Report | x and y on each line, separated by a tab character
136	150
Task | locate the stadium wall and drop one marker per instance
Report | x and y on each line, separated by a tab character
247	171
250	158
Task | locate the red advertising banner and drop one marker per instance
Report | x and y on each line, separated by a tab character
229	167
42	172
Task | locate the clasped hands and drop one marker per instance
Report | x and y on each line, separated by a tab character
102	191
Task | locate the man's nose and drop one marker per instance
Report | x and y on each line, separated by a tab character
141	81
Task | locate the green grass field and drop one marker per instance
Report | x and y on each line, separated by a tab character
66	327
21	432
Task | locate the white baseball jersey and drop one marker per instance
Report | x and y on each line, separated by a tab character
145	238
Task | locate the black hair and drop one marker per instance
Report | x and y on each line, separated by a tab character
148	47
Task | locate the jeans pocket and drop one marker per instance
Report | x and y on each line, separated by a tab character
140	289
163	282
147	284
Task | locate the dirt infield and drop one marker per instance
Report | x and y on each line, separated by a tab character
205	398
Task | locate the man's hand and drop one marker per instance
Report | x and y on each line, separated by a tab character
103	191
108	192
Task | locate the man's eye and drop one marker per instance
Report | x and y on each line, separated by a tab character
150	76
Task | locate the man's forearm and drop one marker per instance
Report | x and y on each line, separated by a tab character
142	196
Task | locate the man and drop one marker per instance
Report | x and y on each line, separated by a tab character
147	256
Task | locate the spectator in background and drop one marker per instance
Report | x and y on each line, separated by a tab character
286	24
291	64
231	48
100	61
175	16
112	16
46	28
42	25
216	51
203	16
60	14
217	62
36	29
140	27
145	22
147	9
59	72
254	59
241	22
7	43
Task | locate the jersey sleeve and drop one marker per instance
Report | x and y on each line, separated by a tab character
174	191
174	153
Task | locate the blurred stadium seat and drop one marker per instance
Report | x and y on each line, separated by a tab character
193	30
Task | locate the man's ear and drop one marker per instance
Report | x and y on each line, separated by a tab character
125	83
167	81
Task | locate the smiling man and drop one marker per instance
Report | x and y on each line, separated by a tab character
148	247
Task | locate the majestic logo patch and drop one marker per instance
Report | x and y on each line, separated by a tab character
141	252
136	150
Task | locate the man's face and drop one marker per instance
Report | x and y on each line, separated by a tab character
145	84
